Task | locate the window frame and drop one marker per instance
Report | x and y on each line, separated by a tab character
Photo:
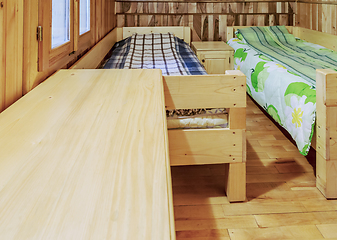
61	55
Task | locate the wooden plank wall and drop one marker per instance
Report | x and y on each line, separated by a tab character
317	15
208	19
105	21
2	60
11	52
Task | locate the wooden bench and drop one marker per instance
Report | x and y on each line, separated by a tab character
85	156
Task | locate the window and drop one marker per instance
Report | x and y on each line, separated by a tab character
60	22
66	29
84	16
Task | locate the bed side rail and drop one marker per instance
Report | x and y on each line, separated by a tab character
324	39
231	30
206	91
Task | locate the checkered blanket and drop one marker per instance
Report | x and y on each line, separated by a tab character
155	50
188	61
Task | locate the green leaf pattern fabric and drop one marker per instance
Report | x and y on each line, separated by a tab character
287	97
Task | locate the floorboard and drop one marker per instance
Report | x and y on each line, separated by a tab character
282	200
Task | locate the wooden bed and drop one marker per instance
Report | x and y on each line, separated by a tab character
197	146
324	140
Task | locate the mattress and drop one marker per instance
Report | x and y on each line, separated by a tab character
288	97
212	118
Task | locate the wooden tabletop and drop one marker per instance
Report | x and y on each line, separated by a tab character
212	46
84	156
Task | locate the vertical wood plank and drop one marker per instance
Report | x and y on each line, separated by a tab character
204	28
255	10
98	20
236	181
326	133
333	19
210	22
315	19
2	60
14	42
223	28
249	9
325	18
319	13
192	8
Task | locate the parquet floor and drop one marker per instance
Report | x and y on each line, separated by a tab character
282	200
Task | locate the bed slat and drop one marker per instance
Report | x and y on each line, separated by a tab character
217	146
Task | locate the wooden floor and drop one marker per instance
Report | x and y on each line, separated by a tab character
282	200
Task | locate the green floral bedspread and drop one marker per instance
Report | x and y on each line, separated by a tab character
287	97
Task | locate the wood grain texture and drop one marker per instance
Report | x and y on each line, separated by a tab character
217	57
223	90
317	15
237	118
92	162
102	14
181	32
328	230
217	146
213	91
326	176
14	50
326	127
236	180
94	56
207	19
2	60
289	232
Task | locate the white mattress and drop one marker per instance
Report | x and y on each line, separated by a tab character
207	120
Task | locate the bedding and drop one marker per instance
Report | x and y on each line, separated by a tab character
181	55
278	44
148	51
287	94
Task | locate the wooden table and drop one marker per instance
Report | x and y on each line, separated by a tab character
85	156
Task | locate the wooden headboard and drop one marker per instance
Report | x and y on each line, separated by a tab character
181	32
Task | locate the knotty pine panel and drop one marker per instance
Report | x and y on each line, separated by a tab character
2	60
318	15
11	54
207	19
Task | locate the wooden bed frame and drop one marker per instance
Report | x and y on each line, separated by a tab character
197	146
325	136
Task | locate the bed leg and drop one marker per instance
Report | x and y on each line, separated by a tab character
326	176
236	181
326	129
236	172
